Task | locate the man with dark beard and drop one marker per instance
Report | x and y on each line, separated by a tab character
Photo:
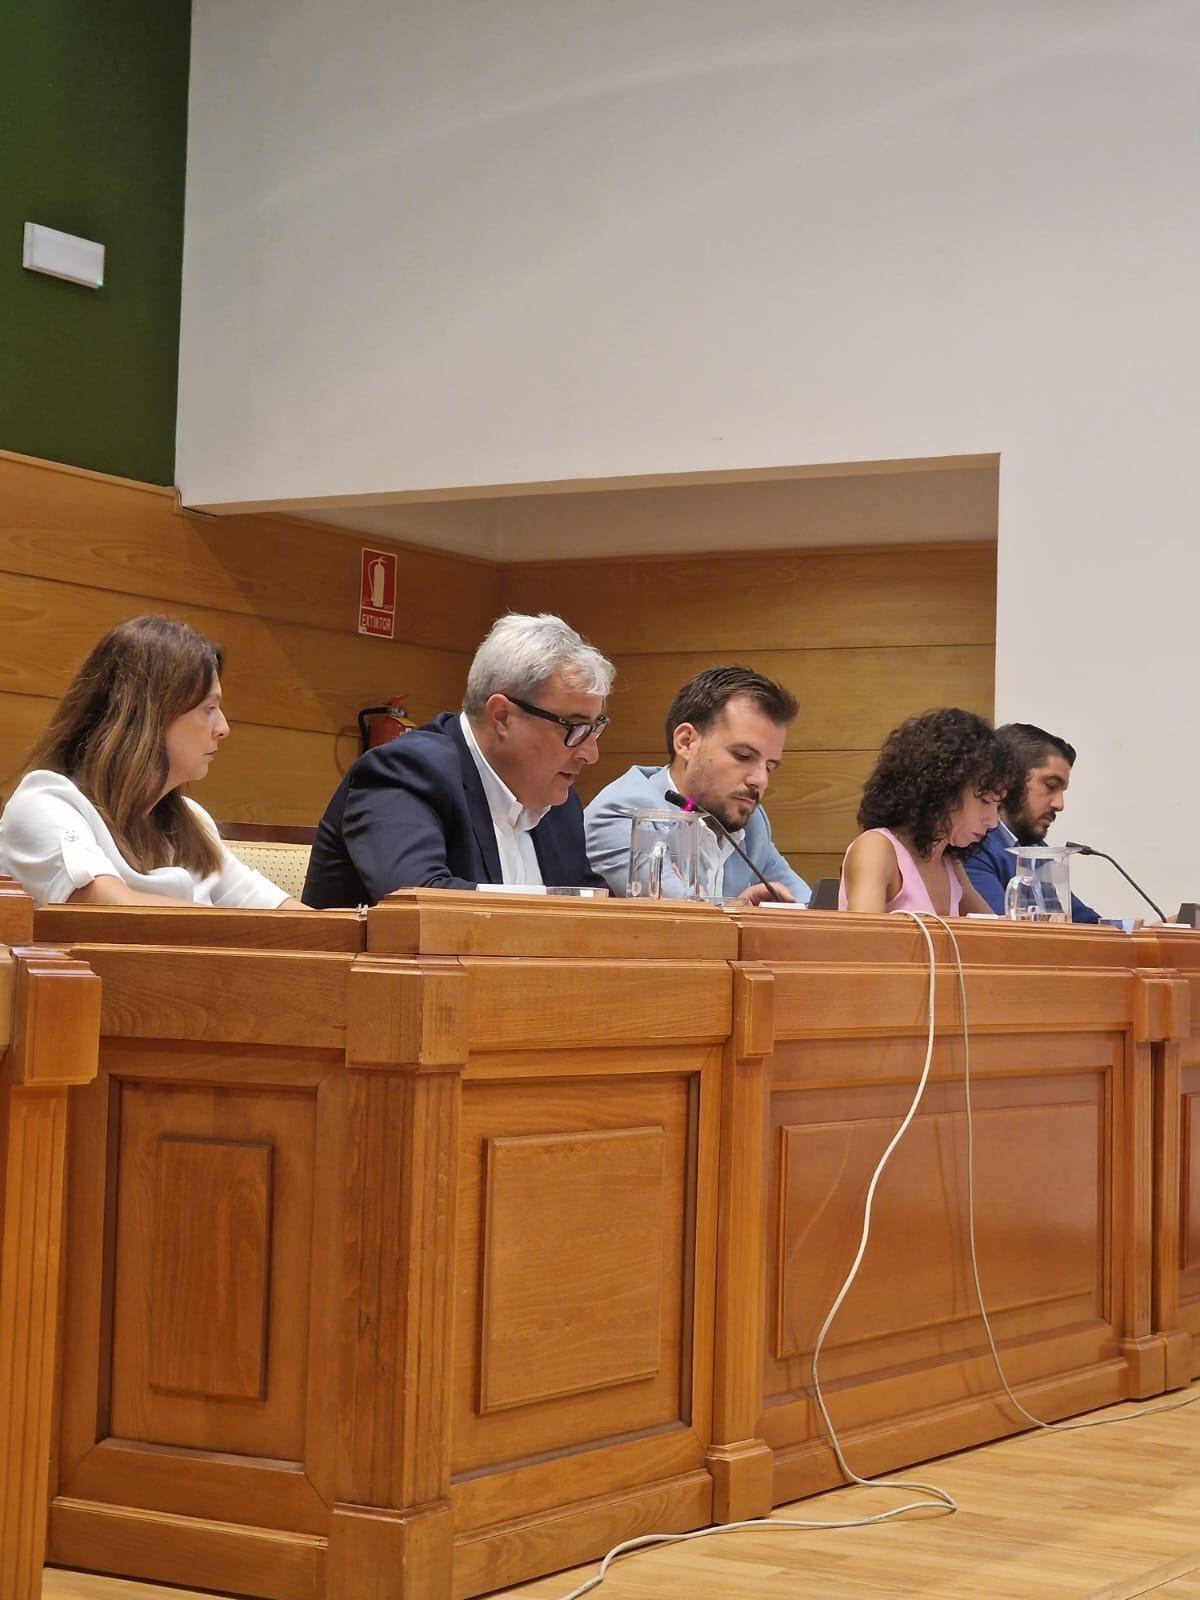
1026	814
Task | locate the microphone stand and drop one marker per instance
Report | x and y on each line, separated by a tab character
1086	850
686	803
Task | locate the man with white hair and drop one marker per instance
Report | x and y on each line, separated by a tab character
485	795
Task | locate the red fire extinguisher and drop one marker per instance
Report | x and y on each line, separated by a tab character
379	724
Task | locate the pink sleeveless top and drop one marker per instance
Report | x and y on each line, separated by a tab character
913	896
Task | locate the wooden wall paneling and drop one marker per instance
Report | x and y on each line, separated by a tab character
812	868
133	539
277	674
49	1029
262	773
862	638
81	552
849	698
769	600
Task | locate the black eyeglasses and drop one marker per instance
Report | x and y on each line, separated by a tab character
577	733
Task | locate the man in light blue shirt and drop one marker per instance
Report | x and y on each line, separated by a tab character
725	735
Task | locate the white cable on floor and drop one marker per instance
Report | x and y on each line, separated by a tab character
940	1499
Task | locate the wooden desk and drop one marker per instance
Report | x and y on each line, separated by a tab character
49	1031
411	1271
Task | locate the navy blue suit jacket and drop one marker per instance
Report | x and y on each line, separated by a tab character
989	866
413	814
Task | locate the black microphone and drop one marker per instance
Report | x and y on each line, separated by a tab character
1086	850
686	803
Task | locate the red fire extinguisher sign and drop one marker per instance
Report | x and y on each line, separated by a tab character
377	594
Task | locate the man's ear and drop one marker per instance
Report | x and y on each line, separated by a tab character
498	712
685	738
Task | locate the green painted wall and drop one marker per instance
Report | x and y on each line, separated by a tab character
93	140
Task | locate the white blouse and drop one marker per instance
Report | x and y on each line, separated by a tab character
54	841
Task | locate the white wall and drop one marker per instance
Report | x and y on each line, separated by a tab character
508	241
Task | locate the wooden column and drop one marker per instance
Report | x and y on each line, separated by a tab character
391	1533
741	1463
1157	1350
49	1033
1164	1015
16	913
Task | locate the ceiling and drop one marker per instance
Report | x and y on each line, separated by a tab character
894	502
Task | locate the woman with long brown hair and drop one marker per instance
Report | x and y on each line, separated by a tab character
100	818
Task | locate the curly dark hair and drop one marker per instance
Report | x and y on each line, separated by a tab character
923	768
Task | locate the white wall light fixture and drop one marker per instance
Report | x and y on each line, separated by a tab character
62	255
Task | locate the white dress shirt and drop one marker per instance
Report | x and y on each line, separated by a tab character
54	841
510	819
715	851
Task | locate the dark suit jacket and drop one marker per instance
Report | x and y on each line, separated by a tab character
989	866
413	814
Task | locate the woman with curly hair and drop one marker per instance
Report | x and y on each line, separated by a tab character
102	818
934	793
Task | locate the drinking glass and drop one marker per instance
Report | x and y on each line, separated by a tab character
665	856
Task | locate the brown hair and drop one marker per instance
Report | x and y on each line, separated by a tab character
107	736
703	698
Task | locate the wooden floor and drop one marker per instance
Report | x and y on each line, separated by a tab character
1101	1514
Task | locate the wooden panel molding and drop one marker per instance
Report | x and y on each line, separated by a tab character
1036	1266
543	1362
211	1276
556	1320
212	1213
